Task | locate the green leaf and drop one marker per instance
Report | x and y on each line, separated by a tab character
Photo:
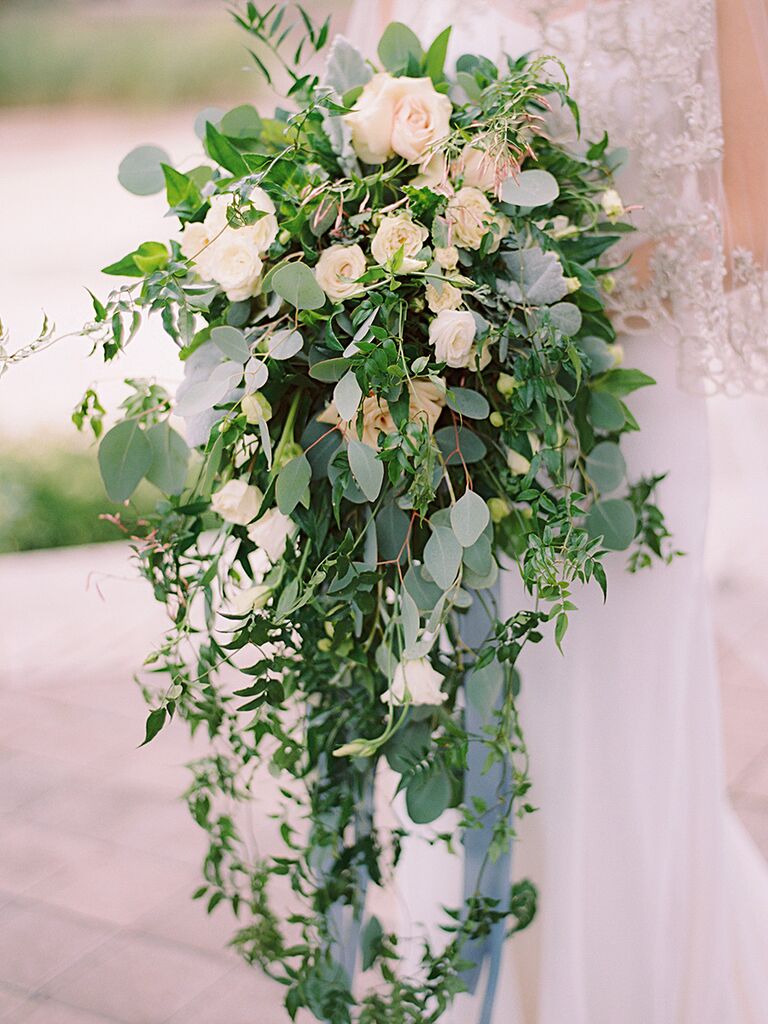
427	795
180	189
125	267
398	45
243	122
613	520
231	342
485	686
292	483
141	170
442	556
125	455
435	60
606	466
367	470
566	317
468	403
469	517
329	370
155	722
221	150
530	188
622	382
370	942
296	283
606	411
347	395
285	344
391	530
170	457
469	444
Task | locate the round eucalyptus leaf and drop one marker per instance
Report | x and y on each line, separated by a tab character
425	593
530	188
408	746
125	455
347	395
427	795
212	115
597	351
468	403
367	470
285	344
479	557
140	171
170	457
605	411
329	370
470	446
442	556
613	520
469	517
481	581
241	122
566	317
398	45
256	374
606	466
484	687
231	342
392	529
296	283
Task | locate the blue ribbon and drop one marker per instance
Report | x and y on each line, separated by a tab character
492	881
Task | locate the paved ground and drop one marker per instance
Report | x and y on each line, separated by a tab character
98	858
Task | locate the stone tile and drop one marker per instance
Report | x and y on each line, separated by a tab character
138	980
115	884
37	942
11	1002
29	853
244	996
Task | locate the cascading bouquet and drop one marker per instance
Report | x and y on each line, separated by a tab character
390	305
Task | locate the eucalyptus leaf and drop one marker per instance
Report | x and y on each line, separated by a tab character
535	276
392	530
367	470
125	455
468	403
606	411
231	342
470	446
530	188
296	283
442	556
485	686
256	374
479	557
170	458
347	395
292	483
614	520
285	344
398	45
566	317
427	795
141	170
469	517
606	466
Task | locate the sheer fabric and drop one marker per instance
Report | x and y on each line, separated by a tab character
648	71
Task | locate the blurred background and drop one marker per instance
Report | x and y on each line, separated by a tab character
97	856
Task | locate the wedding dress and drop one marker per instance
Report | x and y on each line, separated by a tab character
653	902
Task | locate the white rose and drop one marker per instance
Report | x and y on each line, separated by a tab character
194	239
612	204
434	174
271	533
397	230
477	169
415	680
249	598
338	269
442	295
447	257
235	264
403	116
469	215
237	502
452	333
261	234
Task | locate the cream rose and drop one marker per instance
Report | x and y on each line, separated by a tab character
261	234
442	296
234	263
194	239
447	257
434	174
417	682
270	533
452	333
426	402
338	269
237	502
249	598
477	169
469	215
396	231
403	116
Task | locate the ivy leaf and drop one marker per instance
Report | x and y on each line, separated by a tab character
170	456
367	470
347	395
141	170
442	556
469	517
223	152
155	722
435	59
296	283
292	483
125	455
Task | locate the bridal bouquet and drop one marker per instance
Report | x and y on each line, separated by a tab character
389	304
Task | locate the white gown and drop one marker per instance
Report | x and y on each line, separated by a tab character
653	902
